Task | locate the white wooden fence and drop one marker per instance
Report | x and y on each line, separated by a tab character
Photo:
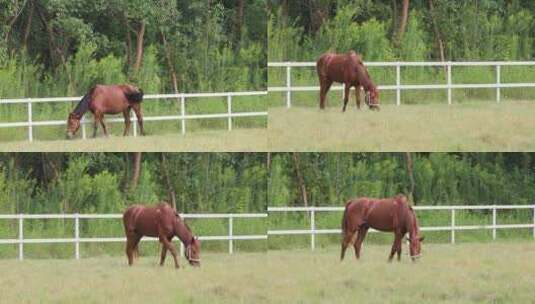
182	116
76	239
398	87
453	227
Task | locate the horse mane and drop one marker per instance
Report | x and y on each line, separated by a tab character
83	105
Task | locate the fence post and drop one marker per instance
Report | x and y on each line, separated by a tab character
229	110
181	249
494	223
21	237
498	81
449	82
398	83
135	126
77	236
230	234
183	113
84	136
288	86
312	229
534	222
30	127
453	226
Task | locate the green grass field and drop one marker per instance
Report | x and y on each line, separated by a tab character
468	273
477	126
499	272
222	278
241	140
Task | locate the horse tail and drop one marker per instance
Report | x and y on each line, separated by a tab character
135	96
345	219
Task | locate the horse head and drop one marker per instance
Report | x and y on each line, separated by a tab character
73	124
372	98
193	252
415	247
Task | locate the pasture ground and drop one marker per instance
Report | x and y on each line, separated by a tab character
463	273
242	140
474	126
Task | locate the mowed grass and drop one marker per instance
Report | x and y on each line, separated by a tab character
239	140
474	126
461	273
222	278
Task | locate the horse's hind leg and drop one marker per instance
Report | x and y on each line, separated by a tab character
139	115
325	85
126	114
360	240
349	238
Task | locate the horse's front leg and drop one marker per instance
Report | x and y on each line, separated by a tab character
95	125
347	87
126	114
167	243
163	255
395	245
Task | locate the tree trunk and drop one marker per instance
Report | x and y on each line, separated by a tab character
170	64
438	36
239	23
128	42
12	22
52	45
395	17
410	173
139	46
403	21
170	189
136	170
28	26
300	179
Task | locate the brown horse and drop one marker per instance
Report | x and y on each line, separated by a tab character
390	214
163	222
107	99
349	70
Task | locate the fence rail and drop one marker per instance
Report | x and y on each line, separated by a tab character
452	228
182	116
398	87
76	240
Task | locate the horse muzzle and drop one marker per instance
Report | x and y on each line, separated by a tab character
69	135
195	262
416	258
375	107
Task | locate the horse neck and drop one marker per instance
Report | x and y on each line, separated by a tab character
83	105
183	233
413	225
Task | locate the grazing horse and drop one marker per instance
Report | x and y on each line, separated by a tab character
349	70
390	214
107	99
163	222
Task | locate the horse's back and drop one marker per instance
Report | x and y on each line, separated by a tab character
111	99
